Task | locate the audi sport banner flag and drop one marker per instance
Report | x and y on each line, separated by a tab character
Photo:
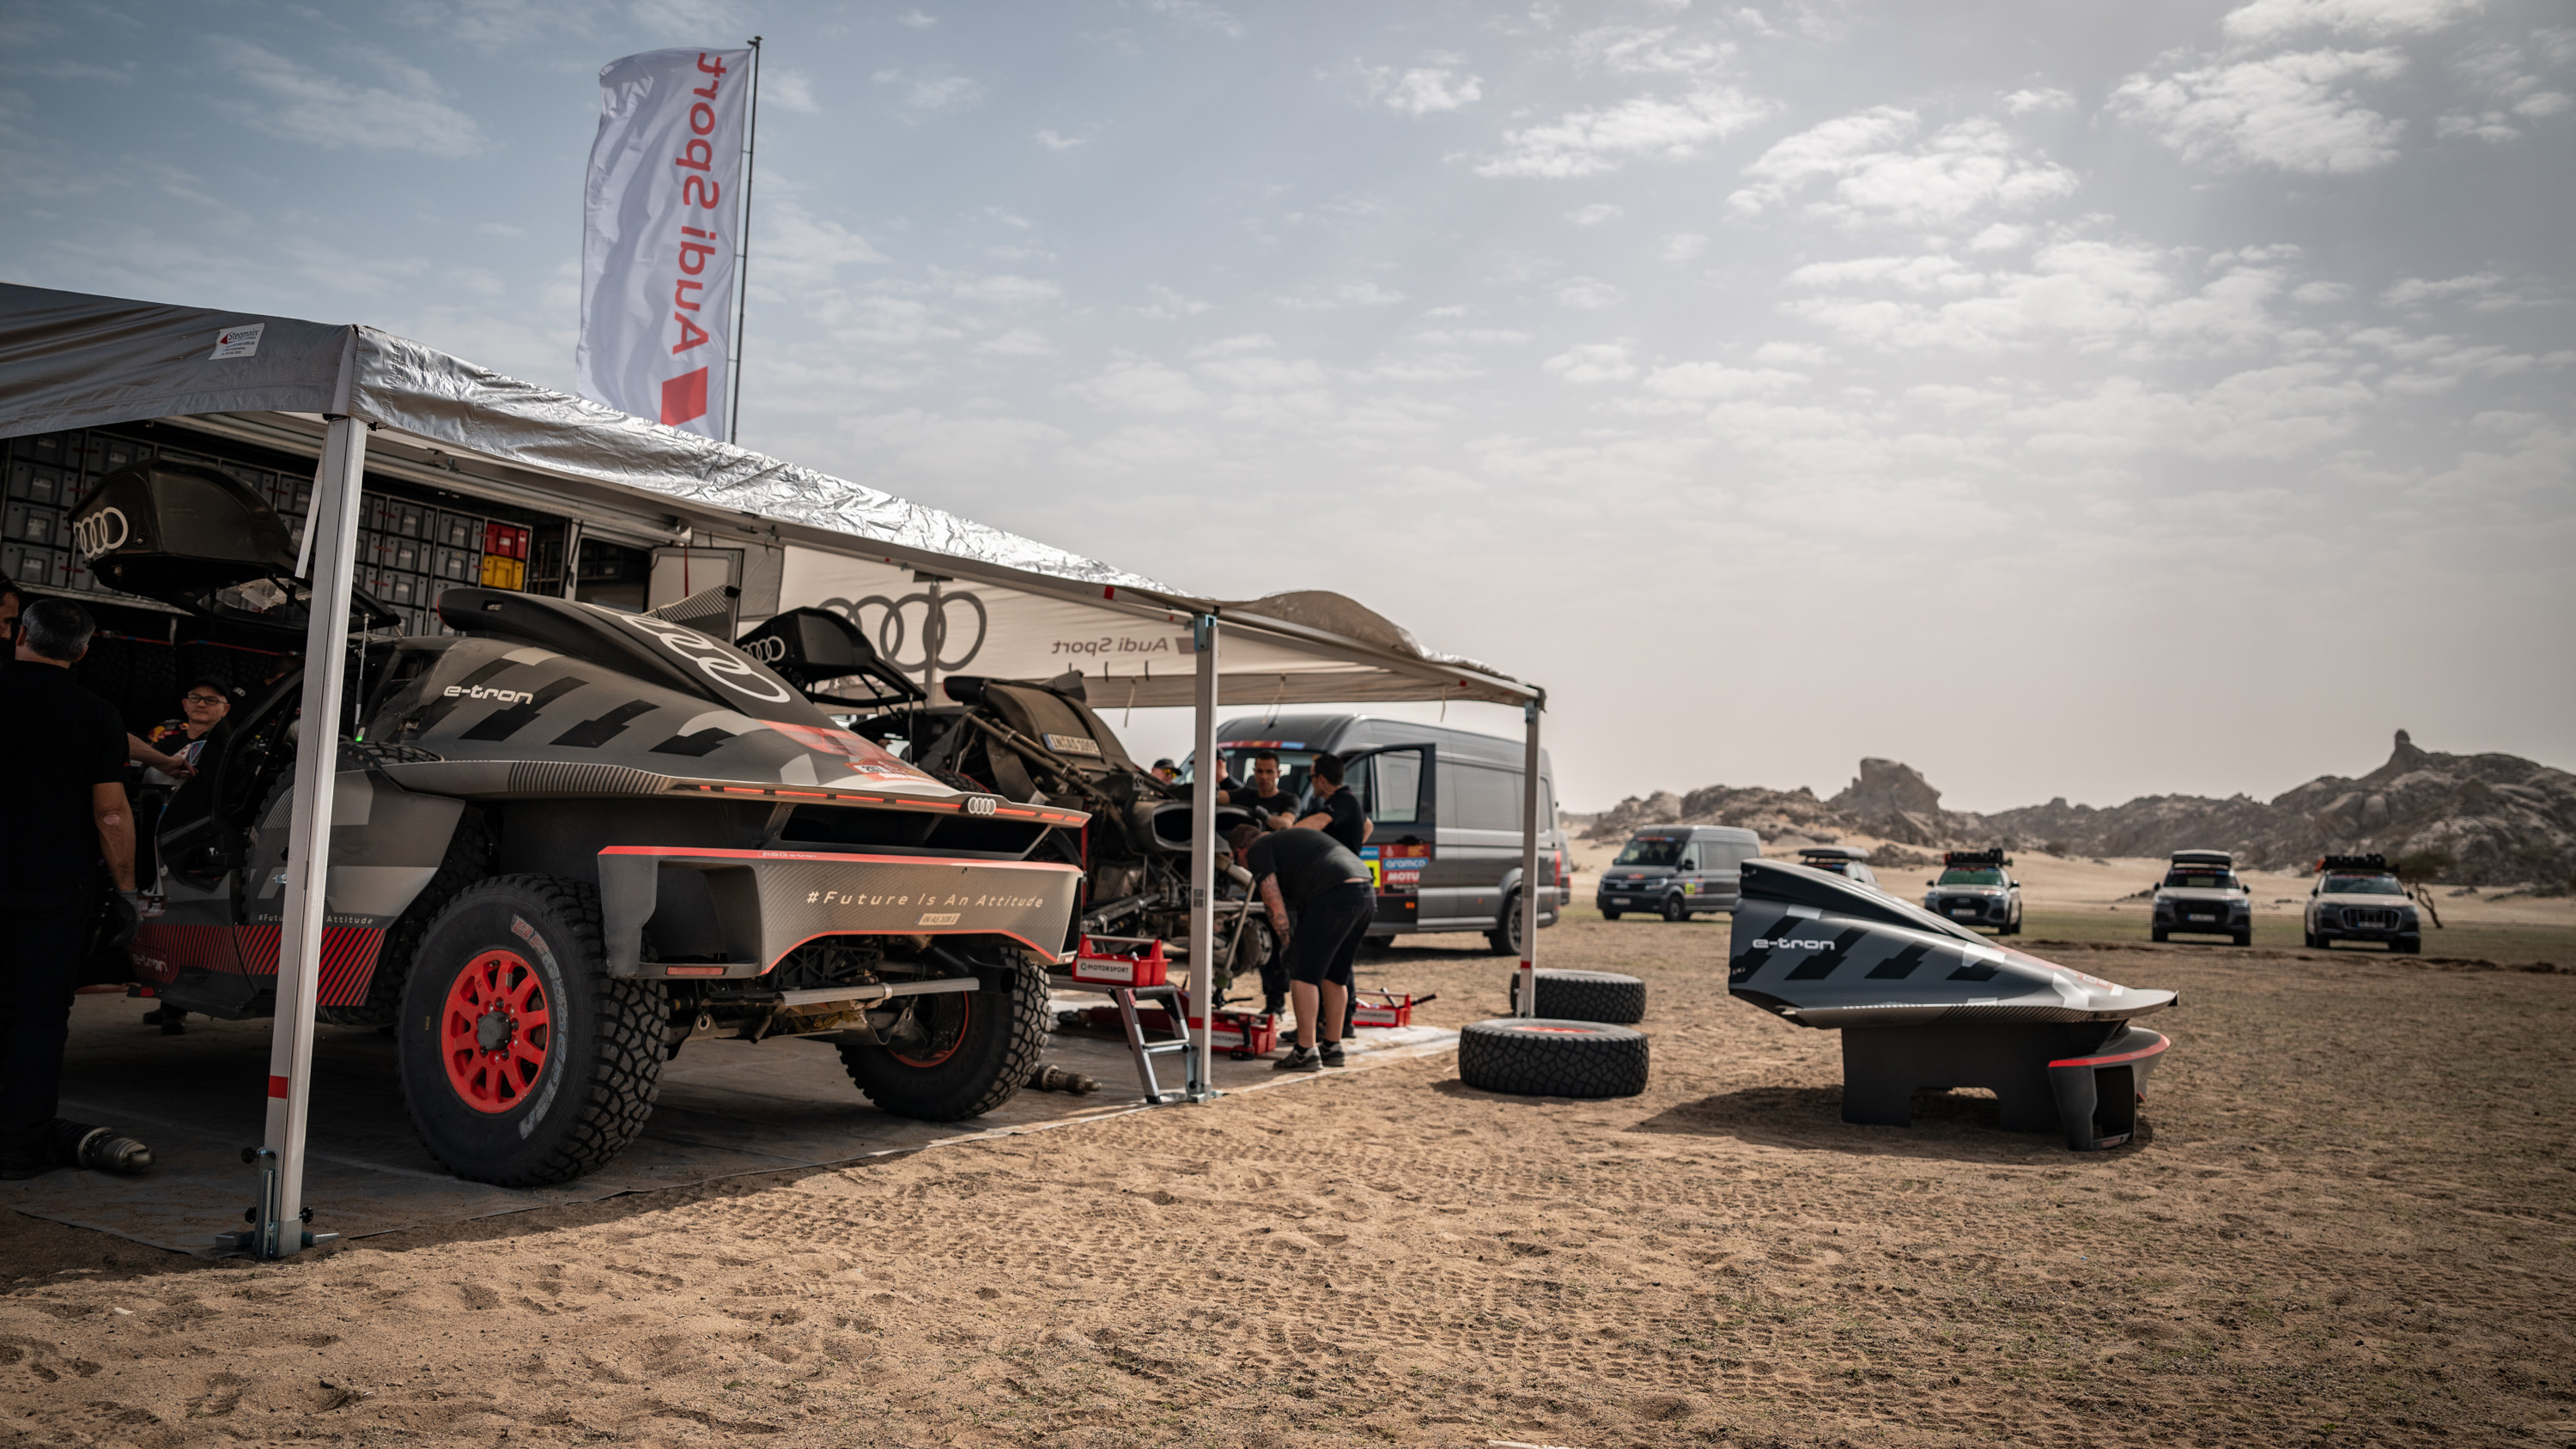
657	245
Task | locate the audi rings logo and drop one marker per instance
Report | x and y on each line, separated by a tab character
905	629
982	804
101	532
767	651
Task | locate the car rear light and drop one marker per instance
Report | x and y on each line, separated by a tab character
1558	857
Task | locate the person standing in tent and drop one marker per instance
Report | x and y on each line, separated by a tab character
1320	903
62	808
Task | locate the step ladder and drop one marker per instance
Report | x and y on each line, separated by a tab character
1175	1000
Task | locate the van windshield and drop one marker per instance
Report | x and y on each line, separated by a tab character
1652	850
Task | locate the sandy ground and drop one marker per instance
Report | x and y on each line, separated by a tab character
2349	1222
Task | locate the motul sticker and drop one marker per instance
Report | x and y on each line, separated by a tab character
242	341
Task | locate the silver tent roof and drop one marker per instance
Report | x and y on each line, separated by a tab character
69	360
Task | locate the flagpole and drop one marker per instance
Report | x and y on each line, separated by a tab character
742	258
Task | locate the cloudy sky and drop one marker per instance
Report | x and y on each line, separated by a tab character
2080	399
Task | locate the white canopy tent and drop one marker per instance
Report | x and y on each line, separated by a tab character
957	593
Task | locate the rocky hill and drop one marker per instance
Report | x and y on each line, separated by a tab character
2503	820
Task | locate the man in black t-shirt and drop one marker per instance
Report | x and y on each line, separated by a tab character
1334	811
62	808
1320	903
1273	806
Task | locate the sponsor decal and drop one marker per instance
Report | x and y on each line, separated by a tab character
957	639
479	691
716	661
1786	943
982	804
102	532
525	932
1110	645
937	918
240	341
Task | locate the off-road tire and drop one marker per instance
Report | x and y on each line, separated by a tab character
468	859
603	1054
2308	939
2407	948
1540	1057
1674	910
1004	1036
1586	996
2243	938
1608	914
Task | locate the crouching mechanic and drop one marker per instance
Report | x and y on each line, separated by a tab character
1320	903
62	808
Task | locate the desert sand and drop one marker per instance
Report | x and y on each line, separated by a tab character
2348	1221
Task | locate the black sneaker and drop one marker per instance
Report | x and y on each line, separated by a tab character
1299	1059
1330	1054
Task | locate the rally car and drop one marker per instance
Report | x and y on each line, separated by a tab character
2201	896
566	840
2358	898
1975	889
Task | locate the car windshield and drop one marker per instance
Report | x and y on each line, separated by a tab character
1832	863
1984	875
2202	880
2362	885
1651	850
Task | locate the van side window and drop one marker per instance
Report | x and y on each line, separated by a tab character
1479	797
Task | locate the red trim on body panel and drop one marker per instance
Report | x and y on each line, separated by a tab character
2161	1044
669	850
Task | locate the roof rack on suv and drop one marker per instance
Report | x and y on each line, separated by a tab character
1833	852
2372	861
2224	860
1970	858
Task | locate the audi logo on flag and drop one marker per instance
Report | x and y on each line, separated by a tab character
982	804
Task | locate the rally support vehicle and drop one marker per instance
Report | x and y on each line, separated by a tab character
1975	889
1676	871
2201	896
567	840
2358	898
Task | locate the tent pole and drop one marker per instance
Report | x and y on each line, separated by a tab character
1529	862
742	258
333	530
1203	862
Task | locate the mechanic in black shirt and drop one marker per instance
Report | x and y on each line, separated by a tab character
1320	903
1272	806
62	806
1334	811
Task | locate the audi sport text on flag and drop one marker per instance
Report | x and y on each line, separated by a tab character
657	235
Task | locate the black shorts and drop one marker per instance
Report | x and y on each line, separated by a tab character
1328	933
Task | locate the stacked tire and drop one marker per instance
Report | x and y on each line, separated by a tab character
1544	1057
1586	996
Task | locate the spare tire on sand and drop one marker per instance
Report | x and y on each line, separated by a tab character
1587	996
1550	1057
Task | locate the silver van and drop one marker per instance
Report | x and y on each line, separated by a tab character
1677	871
1444	808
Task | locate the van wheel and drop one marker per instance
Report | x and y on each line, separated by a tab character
1505	935
523	1062
1674	910
979	1047
1544	1058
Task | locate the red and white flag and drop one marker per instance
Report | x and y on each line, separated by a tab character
657	248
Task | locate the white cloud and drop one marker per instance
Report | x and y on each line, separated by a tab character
1914	274
2265	21
1349	294
1421	90
1589	142
1593	362
1716	380
1793	354
1165	304
790	90
2292	112
2001	236
71	70
1586	293
2092	293
1139	384
2265	413
2478	291
1055	140
1005	289
2320	294
1595	214
1649	50
931	89
1018	342
268	92
799	247
1961	170
1684	246
916	19
500	231
2023	102
1197	13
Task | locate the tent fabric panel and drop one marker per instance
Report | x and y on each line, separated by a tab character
458	405
1252	690
73	361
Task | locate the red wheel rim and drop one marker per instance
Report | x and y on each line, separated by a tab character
495	1031
965	1017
